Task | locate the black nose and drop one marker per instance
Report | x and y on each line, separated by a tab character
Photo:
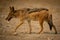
9	18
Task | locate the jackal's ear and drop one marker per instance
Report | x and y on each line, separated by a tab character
11	8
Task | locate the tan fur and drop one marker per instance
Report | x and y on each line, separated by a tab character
40	16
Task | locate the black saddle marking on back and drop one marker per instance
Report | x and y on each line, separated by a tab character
36	10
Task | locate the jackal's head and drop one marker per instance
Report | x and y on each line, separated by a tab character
11	14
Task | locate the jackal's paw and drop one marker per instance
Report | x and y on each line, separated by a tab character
15	33
55	32
39	32
29	32
12	30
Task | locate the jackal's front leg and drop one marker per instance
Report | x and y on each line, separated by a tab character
29	23
41	24
18	26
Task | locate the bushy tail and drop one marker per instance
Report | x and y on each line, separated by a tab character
50	22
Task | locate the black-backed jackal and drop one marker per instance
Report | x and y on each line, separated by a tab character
36	14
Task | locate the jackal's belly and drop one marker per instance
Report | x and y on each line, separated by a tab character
34	19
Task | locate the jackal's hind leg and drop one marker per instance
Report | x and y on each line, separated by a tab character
55	29
51	25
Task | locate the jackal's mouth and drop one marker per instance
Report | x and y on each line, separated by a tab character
8	19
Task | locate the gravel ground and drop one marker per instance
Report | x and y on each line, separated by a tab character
6	28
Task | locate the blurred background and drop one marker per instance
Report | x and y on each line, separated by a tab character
7	27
